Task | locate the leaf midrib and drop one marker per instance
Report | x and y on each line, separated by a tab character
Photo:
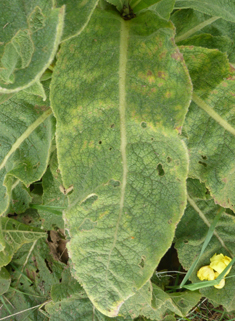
124	34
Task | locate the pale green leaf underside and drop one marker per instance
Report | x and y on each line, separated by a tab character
190	236
15	235
125	81
29	42
219	8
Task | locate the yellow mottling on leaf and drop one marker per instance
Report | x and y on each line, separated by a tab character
168	94
91	144
71	48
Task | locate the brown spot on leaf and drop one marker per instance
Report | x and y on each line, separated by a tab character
179	129
161	74
177	56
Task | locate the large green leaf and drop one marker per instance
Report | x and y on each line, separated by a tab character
25	137
15	235
190	236
218	8
28	42
120	92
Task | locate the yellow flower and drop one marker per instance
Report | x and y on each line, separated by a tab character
206	273
220	262
211	272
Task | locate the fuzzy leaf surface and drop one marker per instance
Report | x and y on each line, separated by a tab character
118	148
75	304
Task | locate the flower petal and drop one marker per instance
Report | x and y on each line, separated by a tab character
221	284
220	262
206	273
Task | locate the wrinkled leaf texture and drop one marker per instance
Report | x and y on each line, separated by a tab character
120	92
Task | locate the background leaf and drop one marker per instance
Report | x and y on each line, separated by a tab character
5	280
120	160
217	34
163	8
77	16
33	272
15	235
24	153
29	42
52	195
218	8
207	68
211	146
